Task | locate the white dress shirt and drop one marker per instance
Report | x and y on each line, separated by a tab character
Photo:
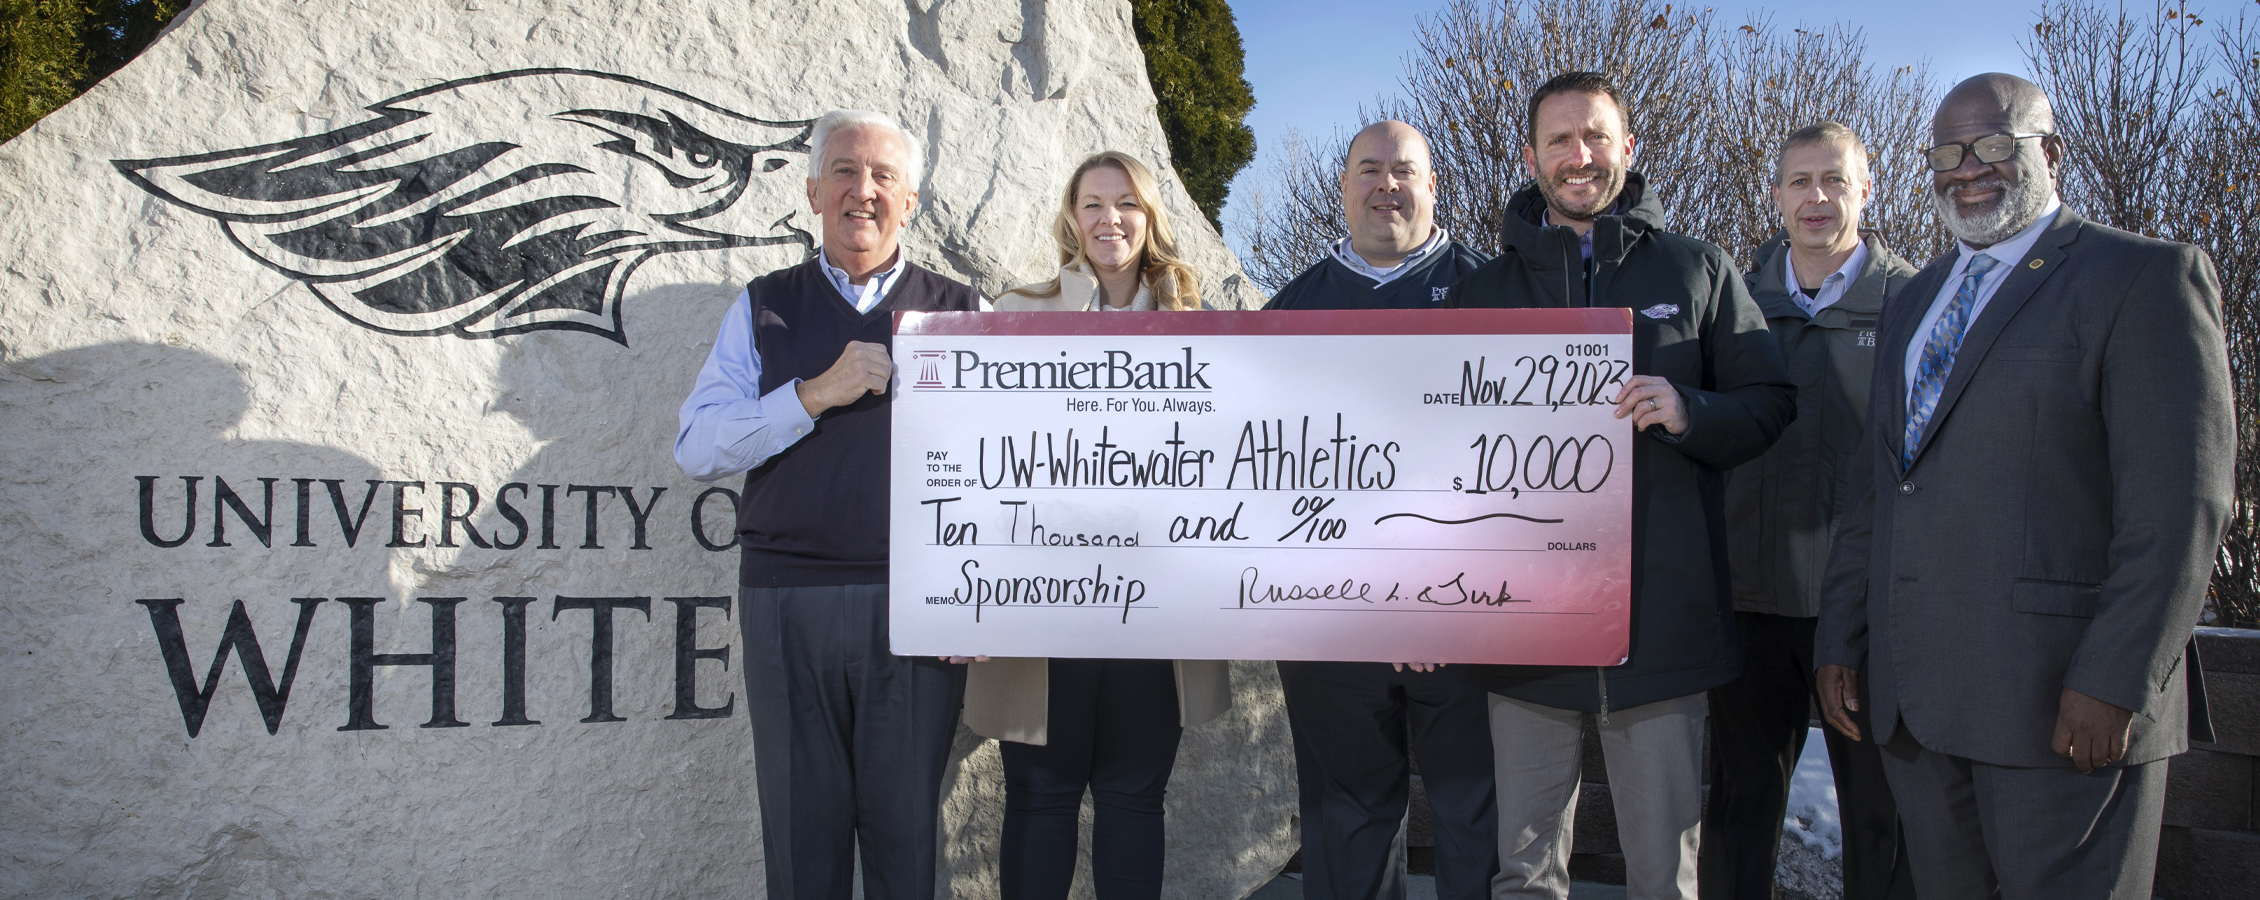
1349	258
727	426
2010	254
1832	288
869	294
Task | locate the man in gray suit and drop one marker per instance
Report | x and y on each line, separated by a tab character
2044	480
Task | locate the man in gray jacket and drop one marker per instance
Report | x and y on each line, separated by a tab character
2037	505
1821	284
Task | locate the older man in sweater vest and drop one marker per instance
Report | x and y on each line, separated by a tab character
849	739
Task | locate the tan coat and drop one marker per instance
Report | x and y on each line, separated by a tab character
1008	698
1078	292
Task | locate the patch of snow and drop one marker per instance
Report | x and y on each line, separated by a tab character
1812	801
1810	863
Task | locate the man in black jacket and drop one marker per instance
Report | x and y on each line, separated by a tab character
1354	722
1822	287
1709	394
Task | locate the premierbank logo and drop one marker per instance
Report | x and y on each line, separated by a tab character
1110	370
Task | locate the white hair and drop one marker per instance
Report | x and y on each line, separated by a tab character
845	118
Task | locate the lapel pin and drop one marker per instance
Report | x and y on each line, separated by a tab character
2035	264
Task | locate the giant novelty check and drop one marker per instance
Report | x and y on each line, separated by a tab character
1425	486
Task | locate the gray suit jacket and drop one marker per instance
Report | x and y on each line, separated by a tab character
2059	524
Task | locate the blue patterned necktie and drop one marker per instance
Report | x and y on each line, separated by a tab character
1938	354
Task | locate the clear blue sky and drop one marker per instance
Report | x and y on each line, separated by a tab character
1313	61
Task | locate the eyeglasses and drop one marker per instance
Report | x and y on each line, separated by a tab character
1990	149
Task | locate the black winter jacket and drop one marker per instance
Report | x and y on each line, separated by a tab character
1782	508
1694	324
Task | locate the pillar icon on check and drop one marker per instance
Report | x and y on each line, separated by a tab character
929	368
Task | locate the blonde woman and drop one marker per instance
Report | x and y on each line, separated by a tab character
1107	725
1116	250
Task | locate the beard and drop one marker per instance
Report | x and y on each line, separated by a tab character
1611	181
2020	205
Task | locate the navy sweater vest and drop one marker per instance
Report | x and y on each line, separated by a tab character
816	514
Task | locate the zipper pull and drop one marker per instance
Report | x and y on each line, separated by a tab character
1602	675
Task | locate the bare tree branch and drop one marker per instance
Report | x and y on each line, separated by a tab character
1710	107
2162	127
1291	222
2124	91
2162	137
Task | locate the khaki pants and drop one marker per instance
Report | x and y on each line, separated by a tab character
1654	755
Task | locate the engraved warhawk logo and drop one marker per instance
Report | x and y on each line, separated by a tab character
499	204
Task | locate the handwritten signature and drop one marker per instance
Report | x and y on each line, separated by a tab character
1256	593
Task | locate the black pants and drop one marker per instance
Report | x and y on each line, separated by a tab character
1111	726
1354	724
1758	728
849	743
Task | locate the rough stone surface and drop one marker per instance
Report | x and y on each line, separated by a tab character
2230	649
1599	868
1807	872
2204	864
180	299
2232	687
2234	699
1595	828
1593	765
1420	818
2205	789
1800	872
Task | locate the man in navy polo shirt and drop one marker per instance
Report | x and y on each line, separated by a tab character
1396	256
1360	725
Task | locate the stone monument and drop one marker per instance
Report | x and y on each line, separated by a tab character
340	348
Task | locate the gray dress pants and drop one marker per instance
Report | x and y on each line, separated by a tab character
1654	754
1978	831
849	743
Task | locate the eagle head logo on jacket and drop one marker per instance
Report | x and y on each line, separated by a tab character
499	204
